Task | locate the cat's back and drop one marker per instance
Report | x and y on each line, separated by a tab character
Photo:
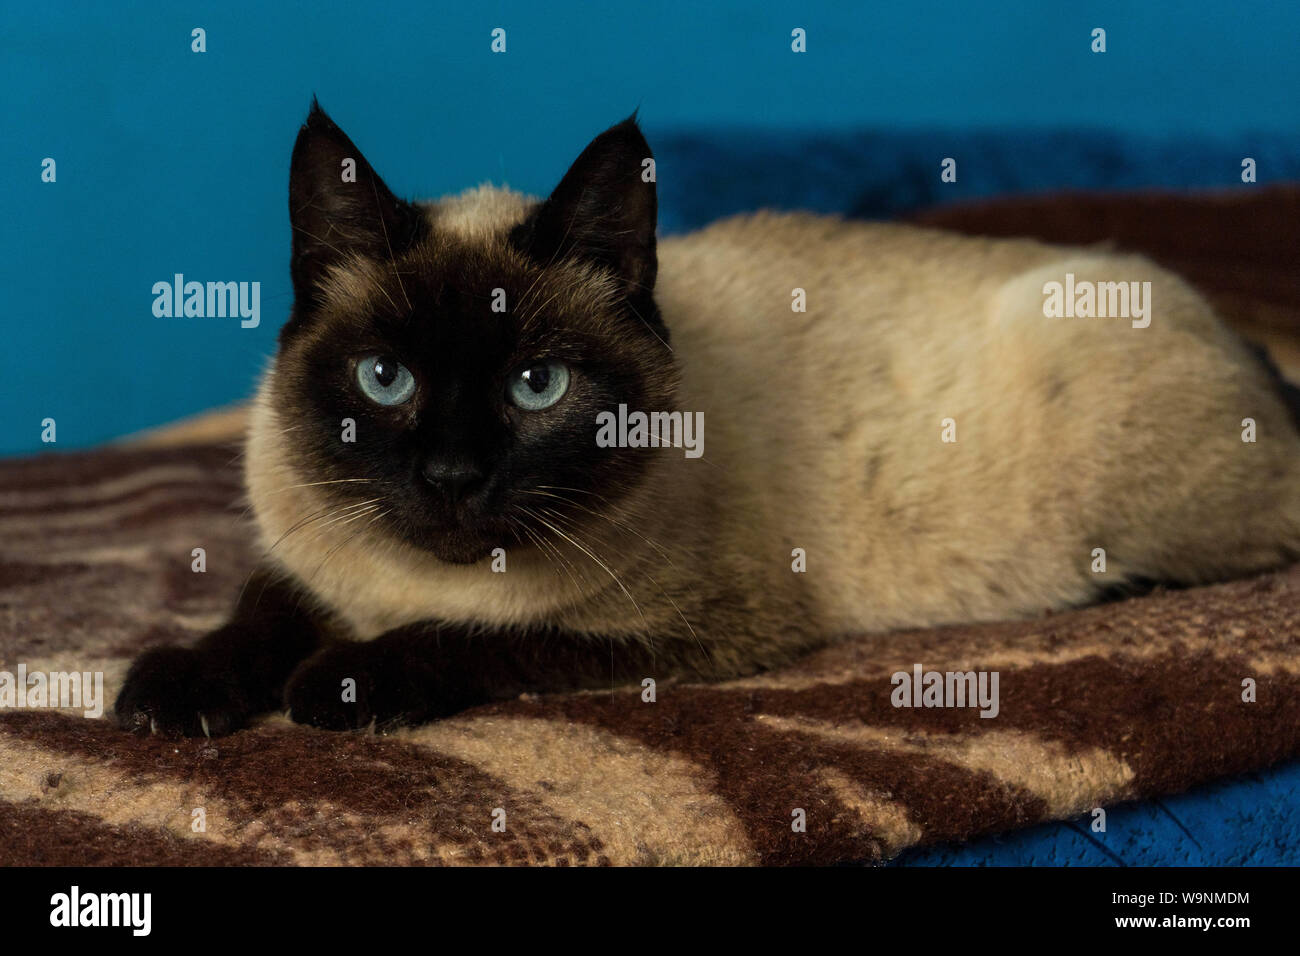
836	300
822	293
823	306
757	260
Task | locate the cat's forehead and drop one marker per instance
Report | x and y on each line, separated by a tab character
480	214
465	268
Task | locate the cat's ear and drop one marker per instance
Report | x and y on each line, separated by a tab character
604	211
338	205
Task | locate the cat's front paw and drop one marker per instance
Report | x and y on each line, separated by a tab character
173	691
333	690
349	686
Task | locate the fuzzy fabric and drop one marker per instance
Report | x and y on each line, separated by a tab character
1097	706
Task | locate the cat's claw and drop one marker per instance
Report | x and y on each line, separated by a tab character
172	692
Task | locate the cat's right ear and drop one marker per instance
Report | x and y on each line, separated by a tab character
338	206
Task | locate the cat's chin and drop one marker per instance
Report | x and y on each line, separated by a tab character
468	554
459	546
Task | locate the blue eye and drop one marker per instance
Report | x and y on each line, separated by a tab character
539	385
384	381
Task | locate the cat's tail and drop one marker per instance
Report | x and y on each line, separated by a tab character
1286	390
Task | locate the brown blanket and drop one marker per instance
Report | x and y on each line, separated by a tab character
1097	706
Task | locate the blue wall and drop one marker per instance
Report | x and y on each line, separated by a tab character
171	161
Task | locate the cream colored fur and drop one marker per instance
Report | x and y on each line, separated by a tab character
823	432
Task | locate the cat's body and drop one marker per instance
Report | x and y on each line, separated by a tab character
824	449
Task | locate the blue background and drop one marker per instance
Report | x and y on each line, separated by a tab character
172	161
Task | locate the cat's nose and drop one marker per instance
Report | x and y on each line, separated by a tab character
453	477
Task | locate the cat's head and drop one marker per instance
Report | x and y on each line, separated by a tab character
471	342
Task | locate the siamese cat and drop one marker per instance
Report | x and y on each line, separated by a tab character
897	436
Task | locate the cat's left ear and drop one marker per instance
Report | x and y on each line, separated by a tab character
603	211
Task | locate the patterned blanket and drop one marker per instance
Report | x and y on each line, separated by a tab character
811	764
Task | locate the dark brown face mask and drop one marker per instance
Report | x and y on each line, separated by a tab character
474	373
